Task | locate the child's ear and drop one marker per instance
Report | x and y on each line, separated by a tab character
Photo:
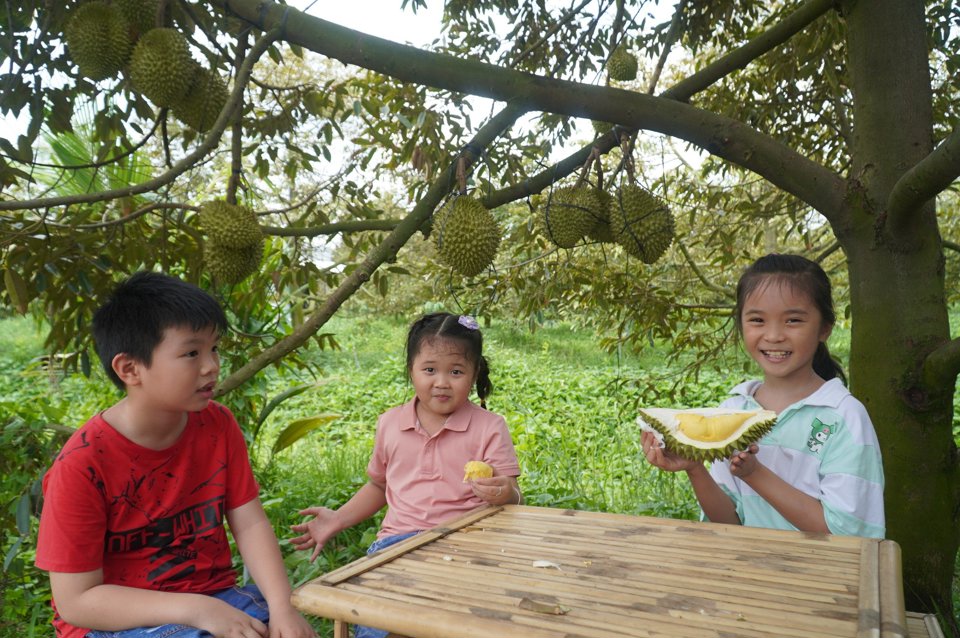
127	368
826	331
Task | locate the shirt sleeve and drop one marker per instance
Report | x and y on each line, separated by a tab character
73	522
377	466
243	487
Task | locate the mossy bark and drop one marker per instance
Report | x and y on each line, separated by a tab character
897	293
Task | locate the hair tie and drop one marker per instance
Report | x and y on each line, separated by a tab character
468	322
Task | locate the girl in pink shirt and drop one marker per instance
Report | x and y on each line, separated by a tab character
422	446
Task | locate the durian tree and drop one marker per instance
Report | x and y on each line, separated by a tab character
844	110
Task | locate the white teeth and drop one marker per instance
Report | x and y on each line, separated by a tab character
776	353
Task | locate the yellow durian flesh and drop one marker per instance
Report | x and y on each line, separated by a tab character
711	428
476	469
707	434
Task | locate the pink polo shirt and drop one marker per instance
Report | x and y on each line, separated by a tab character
423	474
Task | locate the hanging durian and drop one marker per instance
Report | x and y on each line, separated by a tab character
476	469
602	231
98	39
202	104
466	235
230	225
569	214
622	65
140	14
161	67
641	223
707	434
232	265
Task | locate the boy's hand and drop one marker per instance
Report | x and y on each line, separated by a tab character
316	532
496	490
661	457
287	622
224	621
743	464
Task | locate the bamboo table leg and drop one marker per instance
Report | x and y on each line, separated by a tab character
341	629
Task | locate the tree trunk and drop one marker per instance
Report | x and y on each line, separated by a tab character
897	294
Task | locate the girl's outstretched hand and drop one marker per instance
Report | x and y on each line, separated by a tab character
316	532
496	490
743	463
662	457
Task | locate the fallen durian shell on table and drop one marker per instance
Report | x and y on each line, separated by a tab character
476	469
706	434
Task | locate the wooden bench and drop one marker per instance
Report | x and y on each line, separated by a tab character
923	625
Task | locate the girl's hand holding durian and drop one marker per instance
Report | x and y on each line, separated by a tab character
497	490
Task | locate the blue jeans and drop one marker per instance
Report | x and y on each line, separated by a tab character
247	599
360	631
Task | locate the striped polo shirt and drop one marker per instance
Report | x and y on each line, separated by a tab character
825	446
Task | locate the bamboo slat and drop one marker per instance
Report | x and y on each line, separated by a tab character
379	558
923	625
541	572
893	617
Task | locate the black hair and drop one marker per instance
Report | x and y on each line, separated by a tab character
133	318
802	275
443	325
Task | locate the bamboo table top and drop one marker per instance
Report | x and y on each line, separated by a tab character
549	573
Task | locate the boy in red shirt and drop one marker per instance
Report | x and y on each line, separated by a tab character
132	529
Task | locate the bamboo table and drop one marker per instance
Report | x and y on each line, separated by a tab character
549	573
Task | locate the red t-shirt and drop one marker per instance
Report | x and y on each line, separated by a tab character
150	519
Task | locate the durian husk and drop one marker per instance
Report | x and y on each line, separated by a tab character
232	265
98	39
622	65
466	235
641	223
719	432
476	469
569	213
230	225
602	231
161	67
202	104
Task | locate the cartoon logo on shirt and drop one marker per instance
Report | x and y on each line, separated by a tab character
818	436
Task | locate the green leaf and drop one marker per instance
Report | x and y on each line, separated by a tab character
17	290
12	553
300	428
23	515
277	400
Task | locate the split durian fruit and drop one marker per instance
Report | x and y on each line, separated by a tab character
466	235
707	434
476	469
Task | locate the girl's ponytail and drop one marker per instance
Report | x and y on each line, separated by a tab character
484	385
826	366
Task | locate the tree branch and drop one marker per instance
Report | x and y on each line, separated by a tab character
211	141
925	180
719	135
353	226
723	290
740	57
951	245
383	252
941	367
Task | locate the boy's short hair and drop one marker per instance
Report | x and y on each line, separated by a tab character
133	318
